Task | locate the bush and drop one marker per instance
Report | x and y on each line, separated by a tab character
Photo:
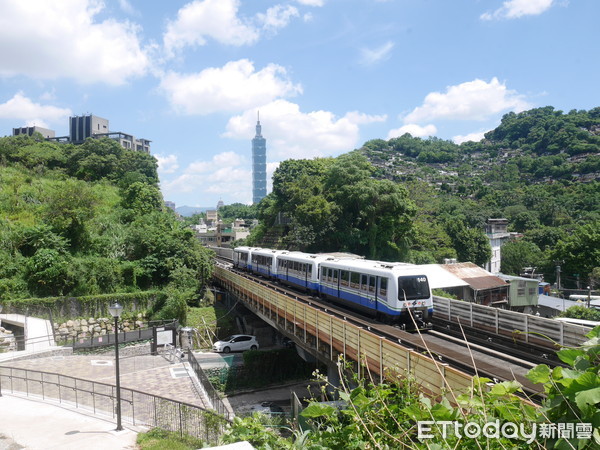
159	439
581	313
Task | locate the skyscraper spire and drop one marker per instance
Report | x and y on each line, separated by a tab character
259	164
258	127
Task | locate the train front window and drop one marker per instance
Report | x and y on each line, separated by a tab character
413	288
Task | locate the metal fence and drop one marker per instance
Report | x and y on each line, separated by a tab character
211	393
137	408
524	327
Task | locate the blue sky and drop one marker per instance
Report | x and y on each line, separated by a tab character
326	75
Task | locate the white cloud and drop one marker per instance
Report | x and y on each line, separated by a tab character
278	16
311	2
234	87
475	137
49	40
127	8
414	130
201	19
167	163
49	95
291	133
473	100
514	9
22	108
372	56
226	174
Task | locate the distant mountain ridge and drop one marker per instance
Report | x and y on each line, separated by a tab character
188	211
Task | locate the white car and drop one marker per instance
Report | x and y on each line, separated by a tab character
236	343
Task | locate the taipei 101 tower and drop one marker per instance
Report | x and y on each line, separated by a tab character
259	165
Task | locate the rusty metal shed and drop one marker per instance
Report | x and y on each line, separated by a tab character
483	287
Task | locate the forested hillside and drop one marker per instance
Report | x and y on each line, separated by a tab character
423	200
89	219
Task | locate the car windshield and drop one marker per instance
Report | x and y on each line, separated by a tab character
229	338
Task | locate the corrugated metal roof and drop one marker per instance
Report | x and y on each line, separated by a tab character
475	276
440	278
560	304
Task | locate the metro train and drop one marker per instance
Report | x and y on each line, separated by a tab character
391	292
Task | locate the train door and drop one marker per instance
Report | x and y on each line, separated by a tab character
382	286
305	268
368	290
336	282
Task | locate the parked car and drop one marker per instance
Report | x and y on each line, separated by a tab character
236	343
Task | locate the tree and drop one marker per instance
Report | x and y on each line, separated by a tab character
580	252
142	198
68	207
516	255
238	211
471	244
48	273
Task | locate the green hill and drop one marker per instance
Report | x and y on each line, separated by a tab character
89	219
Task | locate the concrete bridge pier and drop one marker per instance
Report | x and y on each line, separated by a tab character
333	377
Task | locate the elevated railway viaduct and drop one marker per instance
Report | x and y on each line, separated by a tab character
436	361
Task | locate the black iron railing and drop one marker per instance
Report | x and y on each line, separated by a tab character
138	408
209	390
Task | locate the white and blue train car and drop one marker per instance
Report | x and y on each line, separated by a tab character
387	291
242	257
264	261
300	270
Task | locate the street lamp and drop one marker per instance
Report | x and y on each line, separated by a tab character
115	311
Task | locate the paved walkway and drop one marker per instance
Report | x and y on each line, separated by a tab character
28	422
150	374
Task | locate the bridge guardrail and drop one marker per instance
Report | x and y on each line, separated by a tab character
522	327
333	336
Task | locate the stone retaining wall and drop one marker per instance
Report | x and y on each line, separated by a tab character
93	327
7	340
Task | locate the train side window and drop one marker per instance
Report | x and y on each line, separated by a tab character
309	270
383	287
354	280
323	273
344	278
363	283
372	281
335	276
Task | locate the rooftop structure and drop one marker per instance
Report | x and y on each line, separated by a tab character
33	129
89	126
497	232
